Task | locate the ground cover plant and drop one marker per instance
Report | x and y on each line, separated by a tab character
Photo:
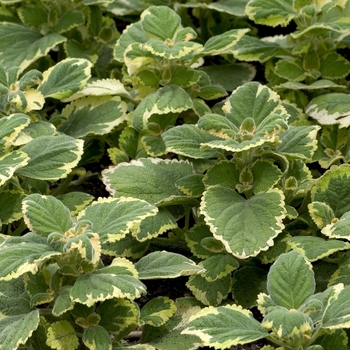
199	144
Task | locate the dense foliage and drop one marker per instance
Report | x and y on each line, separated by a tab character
153	139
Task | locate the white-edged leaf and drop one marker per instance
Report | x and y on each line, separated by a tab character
93	116
46	214
113	218
225	326
65	78
26	44
244	226
51	157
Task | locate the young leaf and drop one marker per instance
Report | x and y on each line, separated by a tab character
61	336
244	226
284	284
166	265
51	157
65	78
46	214
225	326
93	116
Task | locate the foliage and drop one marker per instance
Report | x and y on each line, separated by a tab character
138	144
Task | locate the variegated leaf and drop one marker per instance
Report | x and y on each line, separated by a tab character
316	248
157	311
51	157
93	116
150	179
244	226
27	45
61	335
225	326
46	214
113	218
97	338
65	78
168	99
118	280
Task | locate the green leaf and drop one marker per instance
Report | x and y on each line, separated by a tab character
290	69
113	218
284	284
157	311
225	326
218	266
150	179
10	206
14	298
51	157
334	66
230	76
26	45
316	248
16	329
209	293
61	336
65	78
244	226
332	108
93	116
274	13
46	214
97	338
63	302
255	278
168	99
162	264
69	20
186	140
299	141
118	280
